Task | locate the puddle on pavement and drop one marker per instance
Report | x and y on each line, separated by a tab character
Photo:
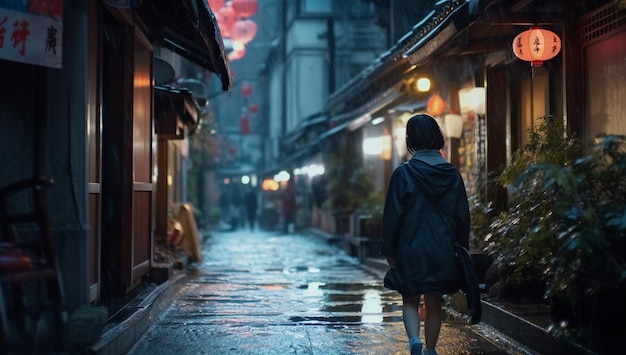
354	319
351	303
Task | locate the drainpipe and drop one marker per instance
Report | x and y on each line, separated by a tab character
330	24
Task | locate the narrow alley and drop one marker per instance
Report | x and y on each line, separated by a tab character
270	293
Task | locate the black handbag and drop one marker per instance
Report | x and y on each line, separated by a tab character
468	282
391	280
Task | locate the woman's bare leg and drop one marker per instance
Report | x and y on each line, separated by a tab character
410	316
432	323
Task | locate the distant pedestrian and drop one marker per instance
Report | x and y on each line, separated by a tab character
289	207
234	208
426	210
251	202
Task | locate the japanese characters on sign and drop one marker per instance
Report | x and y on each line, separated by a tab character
32	32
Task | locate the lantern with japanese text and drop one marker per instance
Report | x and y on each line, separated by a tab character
436	105
536	45
243	31
246	90
245	8
226	18
215	4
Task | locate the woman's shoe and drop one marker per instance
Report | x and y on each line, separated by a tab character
416	346
430	352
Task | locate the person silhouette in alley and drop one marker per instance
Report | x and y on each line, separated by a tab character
234	208
289	207
251	203
426	211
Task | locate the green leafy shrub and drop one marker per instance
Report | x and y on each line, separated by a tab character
587	275
348	184
374	205
563	236
523	237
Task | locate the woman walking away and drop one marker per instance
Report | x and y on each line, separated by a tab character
426	211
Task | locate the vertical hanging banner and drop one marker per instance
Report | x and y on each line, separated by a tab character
31	31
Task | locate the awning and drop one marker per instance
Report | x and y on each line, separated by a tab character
175	111
356	118
292	138
412	107
189	28
302	142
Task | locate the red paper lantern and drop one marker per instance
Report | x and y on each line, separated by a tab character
243	31
253	108
245	125
245	8
536	45
226	18
215	4
246	90
436	105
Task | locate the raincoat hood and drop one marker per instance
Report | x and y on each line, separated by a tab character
432	172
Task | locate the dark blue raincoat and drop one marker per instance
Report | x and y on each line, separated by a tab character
425	209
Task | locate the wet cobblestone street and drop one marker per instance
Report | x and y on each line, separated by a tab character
267	293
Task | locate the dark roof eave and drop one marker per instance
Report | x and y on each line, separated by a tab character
394	62
189	28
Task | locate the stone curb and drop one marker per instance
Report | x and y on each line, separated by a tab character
146	308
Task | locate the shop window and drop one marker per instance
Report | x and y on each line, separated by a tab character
606	74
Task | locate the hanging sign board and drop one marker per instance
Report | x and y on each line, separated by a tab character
32	32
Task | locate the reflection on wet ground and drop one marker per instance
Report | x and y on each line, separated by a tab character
264	294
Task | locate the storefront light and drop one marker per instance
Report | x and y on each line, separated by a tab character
373	146
423	84
378	146
310	170
472	99
282	176
270	185
454	125
377	120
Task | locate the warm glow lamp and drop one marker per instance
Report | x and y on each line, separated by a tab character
436	105
454	125
423	84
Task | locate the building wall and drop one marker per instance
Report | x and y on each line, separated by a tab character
606	68
306	86
43	130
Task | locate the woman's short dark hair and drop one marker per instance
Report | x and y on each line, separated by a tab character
423	132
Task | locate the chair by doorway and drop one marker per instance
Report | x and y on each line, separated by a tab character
29	269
